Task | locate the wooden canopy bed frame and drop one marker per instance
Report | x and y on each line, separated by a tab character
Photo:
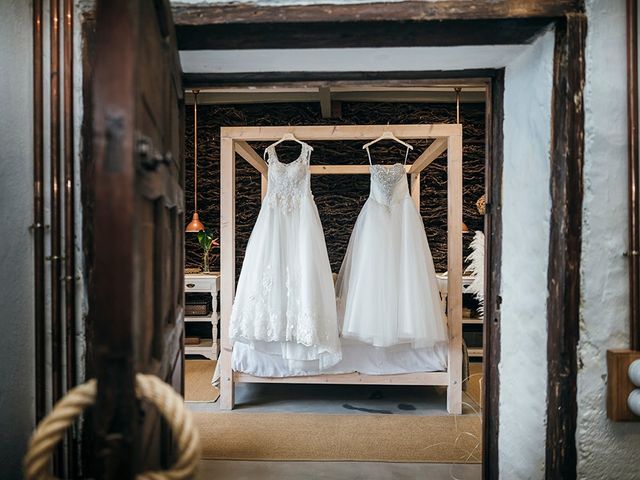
446	137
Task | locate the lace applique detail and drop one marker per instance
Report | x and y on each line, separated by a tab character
387	178
256	319
288	183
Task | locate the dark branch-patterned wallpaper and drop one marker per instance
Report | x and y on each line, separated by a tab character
339	197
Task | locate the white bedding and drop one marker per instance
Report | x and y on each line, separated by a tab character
356	357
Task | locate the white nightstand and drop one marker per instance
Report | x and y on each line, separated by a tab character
204	283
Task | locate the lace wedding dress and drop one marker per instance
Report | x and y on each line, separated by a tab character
387	288
285	300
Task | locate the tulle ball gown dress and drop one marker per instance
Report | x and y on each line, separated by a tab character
387	291
285	299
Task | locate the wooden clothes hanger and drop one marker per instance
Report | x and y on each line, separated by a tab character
386	135
291	137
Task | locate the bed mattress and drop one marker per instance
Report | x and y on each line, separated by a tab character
356	357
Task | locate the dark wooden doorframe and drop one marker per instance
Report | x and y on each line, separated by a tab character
565	244
493	262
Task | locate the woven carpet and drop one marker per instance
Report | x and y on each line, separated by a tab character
197	381
326	437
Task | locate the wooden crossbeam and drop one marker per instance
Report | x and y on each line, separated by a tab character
341	132
247	152
419	378
436	149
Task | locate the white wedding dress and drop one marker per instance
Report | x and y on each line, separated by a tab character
285	299
387	288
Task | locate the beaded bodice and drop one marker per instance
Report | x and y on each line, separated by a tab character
287	183
386	185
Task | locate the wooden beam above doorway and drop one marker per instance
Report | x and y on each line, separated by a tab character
358	34
372	12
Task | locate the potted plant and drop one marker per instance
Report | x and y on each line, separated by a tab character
207	242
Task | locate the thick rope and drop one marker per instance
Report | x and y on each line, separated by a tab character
148	387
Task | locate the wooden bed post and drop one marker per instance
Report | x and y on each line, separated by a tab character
454	267
263	186
415	189
227	264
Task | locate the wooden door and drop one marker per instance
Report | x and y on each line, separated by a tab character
136	320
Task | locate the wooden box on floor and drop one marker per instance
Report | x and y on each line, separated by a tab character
446	137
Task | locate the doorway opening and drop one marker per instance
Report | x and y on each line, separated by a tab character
339	199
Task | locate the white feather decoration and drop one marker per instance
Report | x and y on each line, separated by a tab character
476	268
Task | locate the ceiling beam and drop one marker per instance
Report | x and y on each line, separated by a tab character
326	95
434	150
400	96
451	78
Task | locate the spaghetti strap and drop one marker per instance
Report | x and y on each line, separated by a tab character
369	155
406	156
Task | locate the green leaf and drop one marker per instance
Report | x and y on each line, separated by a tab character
206	241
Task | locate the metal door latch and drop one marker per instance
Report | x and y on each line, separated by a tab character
148	159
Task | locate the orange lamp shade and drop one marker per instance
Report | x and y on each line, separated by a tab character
195	225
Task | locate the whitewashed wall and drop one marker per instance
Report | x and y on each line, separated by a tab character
17	384
347	59
526	207
605	449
